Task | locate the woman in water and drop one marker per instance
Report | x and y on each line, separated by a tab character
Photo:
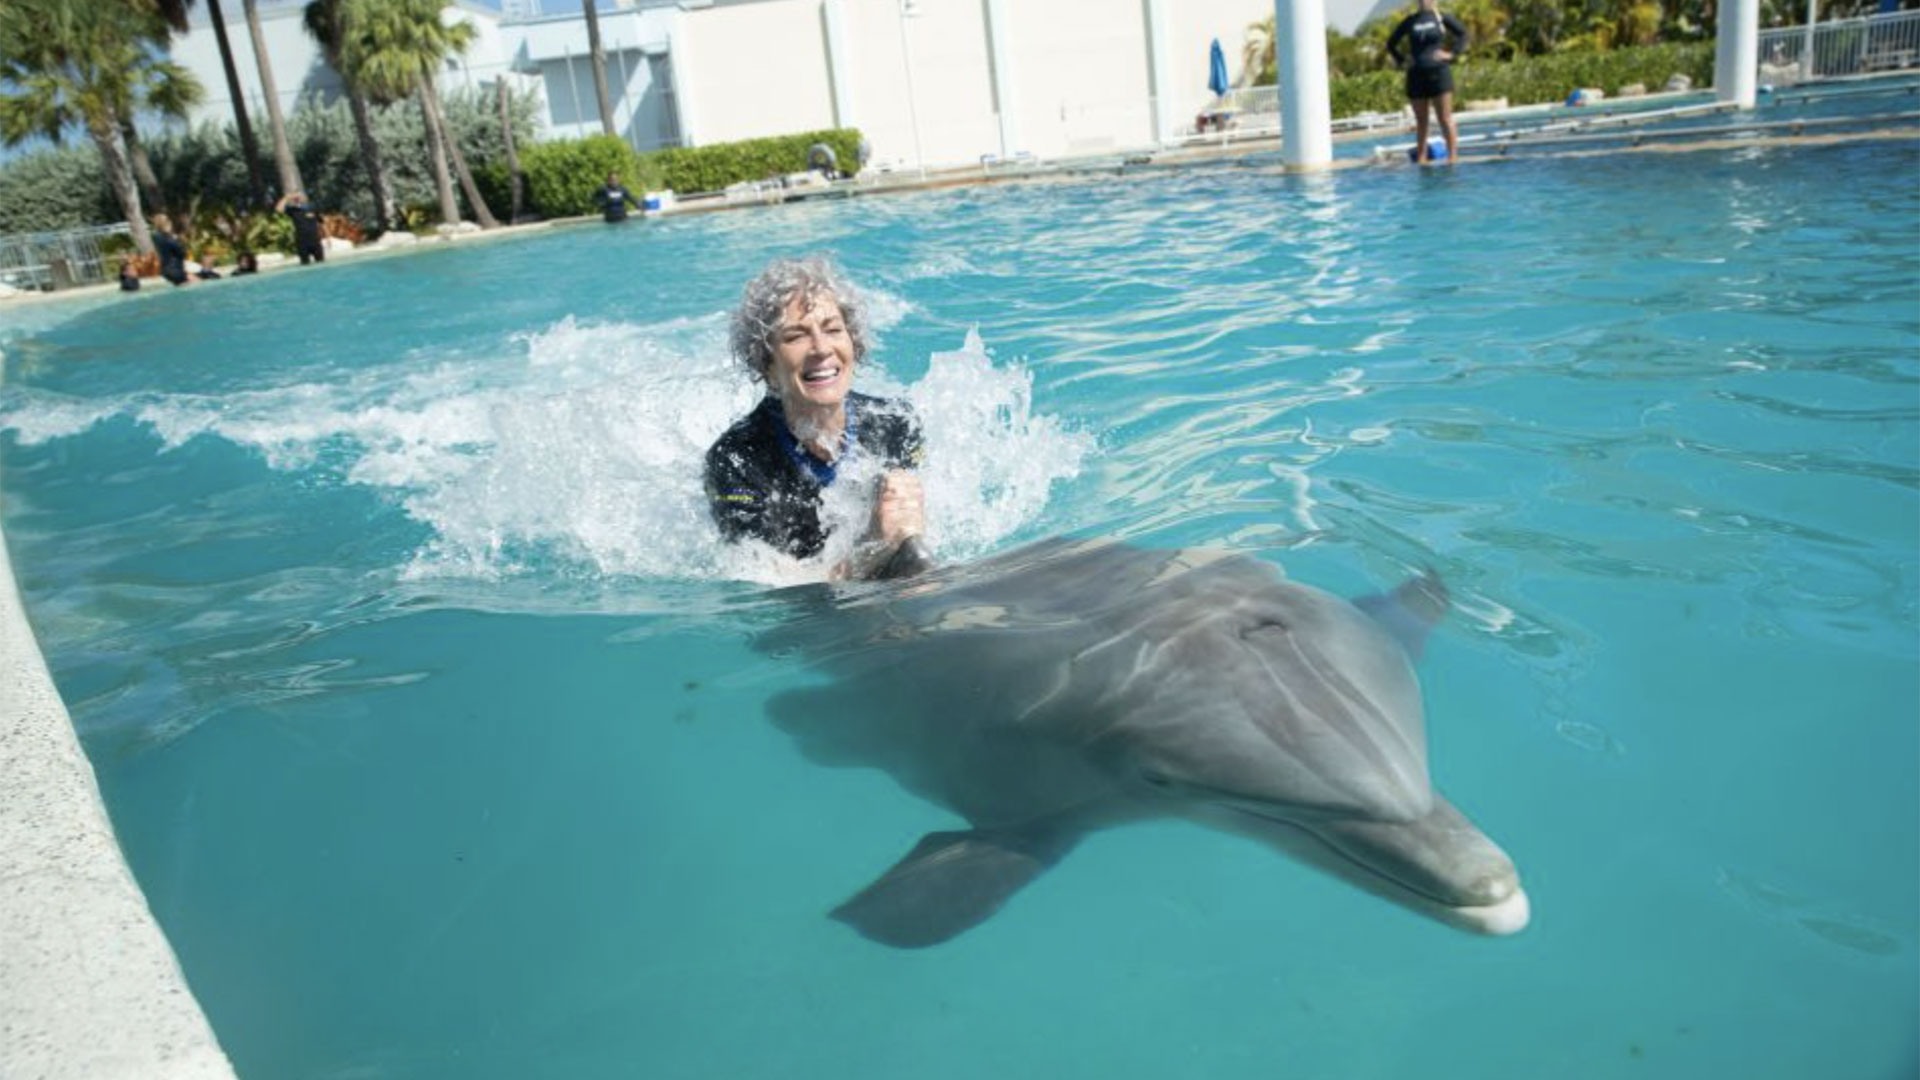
1430	76
802	331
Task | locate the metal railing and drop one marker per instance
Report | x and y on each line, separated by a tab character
57	260
1888	42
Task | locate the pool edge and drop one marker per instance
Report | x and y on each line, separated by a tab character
89	986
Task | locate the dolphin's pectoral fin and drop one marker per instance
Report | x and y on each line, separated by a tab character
950	883
1409	611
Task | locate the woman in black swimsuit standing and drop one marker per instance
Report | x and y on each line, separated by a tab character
1430	76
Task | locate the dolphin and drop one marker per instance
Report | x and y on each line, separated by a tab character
1072	686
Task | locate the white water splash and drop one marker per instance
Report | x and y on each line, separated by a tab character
580	452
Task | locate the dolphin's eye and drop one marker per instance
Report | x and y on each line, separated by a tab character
1263	626
1156	779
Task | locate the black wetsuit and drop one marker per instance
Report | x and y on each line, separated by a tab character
613	200
1430	76
762	485
173	257
306	234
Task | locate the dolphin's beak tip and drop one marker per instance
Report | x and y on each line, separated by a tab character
1503	919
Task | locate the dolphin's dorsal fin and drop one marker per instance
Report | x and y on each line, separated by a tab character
951	882
1409	611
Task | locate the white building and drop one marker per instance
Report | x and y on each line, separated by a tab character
934	81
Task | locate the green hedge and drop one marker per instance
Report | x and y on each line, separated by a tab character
59	187
563	175
710	168
1535	79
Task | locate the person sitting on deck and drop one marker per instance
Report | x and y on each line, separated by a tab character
822	159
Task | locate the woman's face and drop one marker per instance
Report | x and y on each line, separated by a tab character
812	364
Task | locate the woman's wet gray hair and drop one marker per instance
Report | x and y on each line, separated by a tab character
763	304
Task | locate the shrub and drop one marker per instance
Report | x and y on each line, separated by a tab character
55	188
63	187
1534	79
563	175
710	168
218	233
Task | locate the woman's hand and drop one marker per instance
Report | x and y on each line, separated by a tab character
1443	55
901	509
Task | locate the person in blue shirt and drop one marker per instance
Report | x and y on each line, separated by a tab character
1430	72
614	199
802	331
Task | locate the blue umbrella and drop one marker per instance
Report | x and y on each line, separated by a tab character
1217	71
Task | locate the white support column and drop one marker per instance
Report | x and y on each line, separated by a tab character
998	30
680	62
839	62
1806	49
1736	60
573	90
1160	78
1306	114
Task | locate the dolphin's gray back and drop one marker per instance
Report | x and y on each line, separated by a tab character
1073	677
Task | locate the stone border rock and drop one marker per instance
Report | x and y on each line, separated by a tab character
89	988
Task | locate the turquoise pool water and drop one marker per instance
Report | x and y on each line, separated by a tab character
426	708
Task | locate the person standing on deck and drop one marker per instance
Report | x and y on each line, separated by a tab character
306	226
1430	75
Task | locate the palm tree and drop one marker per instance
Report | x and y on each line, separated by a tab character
599	56
249	146
64	66
160	86
393	48
282	149
174	13
323	23
516	180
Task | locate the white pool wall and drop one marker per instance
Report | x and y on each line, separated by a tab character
89	987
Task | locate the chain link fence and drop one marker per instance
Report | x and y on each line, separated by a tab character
42	262
1889	42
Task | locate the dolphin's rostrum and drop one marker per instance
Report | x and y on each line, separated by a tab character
1071	686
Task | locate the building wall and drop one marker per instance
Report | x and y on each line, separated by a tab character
298	68
1079	71
750	70
950	91
1190	35
632	41
300	71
